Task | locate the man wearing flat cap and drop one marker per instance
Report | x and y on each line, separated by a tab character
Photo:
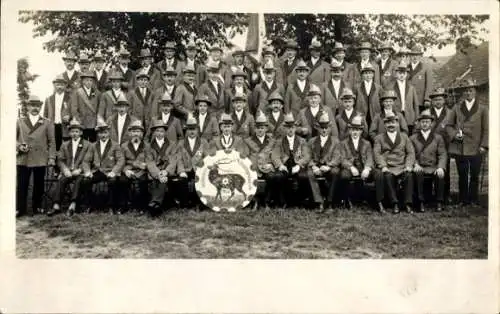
57	108
148	66
266	87
365	51
85	106
296	91
36	149
170	61
320	69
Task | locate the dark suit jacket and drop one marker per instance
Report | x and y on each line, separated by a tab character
49	110
134	158
356	68
84	108
140	107
261	93
411	102
320	72
348	153
161	158
368	103
421	78
430	154
216	97
113	128
330	98
325	155
65	155
40	139
178	65
281	152
395	156
387	73
343	123
210	127
187	158
184	98
295	99
111	159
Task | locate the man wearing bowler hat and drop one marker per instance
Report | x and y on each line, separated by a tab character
368	93
85	105
365	50
141	99
71	75
347	68
109	98
147	63
468	130
296	91
70	159
431	158
213	88
394	156
320	69
266	87
57	108
171	61
407	102
100	73
386	64
208	127
185	94
36	149
290	62
332	90
420	76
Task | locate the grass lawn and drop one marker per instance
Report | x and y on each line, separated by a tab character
291	233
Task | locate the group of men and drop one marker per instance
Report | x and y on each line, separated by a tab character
317	130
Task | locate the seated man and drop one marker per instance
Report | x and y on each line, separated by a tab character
191	150
431	159
378	125
290	157
394	154
161	160
325	163
260	146
357	163
227	140
134	152
103	162
69	160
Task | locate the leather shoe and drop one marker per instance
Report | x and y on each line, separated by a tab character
439	207
409	210
421	208
395	209
380	208
348	204
53	211
321	208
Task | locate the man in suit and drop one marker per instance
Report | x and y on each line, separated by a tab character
84	62
120	121
365	50
239	66
431	157
407	102
141	99
103	162
276	115
71	75
173	126
386	64
127	74
440	113
291	156
70	159
190	151
324	163
260	146
296	91
208	127
238	87
468	130
109	98
214	89
357	165
135	151
100	73
395	156
161	162
168	86
85	105
244	122
420	77
215	60
269	58
331	90
288	65
227	140
368	93
57	108
146	59
266	87
347	68
378	125
171	62
308	125
36	149
185	94
320	69
192	62
347	114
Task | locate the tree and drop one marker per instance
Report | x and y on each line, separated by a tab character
23	79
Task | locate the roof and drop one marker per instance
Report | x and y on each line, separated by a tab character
477	57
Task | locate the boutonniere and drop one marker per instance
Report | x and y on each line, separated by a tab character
80	145
92	93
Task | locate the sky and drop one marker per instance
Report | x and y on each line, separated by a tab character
48	65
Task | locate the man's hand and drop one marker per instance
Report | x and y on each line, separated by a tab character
128	173
482	150
111	174
268	167
408	169
183	175
439	172
315	170
385	169
67	173
324	168
295	169
417	168
354	171
88	174
283	168
52	162
365	173
76	172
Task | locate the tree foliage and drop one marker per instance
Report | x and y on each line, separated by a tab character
24	77
103	30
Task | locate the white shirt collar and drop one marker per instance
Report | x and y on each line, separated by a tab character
392	135
291	140
425	134
202	115
269	84
368	85
314	110
87	90
314	60
261	138
365	62
136	145
76	142
70	73
159	141
122	117
239	89
323	140
165	116
301	84
469	104
355	141
146	69
103	144
414	65
33	119
438	111
239	114
386	112
124	69
191	140
336	83
348	113
276	115
169	87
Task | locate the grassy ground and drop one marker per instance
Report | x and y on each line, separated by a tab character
292	233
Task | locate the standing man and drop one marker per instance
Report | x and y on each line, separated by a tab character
120	120
36	149
347	68
365	50
238	87
407	102
289	64
100	73
127	74
332	90
266	87
386	64
320	69
378	123
269	58
185	94
146	59
213	88
57	109
239	66
85	106
431	157
71	76
395	157
214	60
296	91
244	122
141	99
208	127
368	94
420	76
347	114
109	98
308	122
468	130
171	62
276	115
173	126
192	62
168	86
83	62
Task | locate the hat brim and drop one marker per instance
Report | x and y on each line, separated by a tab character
84	61
226	122
169	73
102	128
71	127
315	48
257	124
365	48
338	49
390	120
136	128
59	81
314	94
437	95
289	124
143	57
324	124
278	99
191	126
122	103
37	103
425	117
88	76
402	69
143	75
367	70
357	127
189	72
302	68
292	47
239	99
388	97
415	53
208	102
154	127
69	59
348	97
387	48
166	102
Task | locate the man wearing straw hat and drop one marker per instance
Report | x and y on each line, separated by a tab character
431	158
171	61
36	149
386	64
85	105
109	98
146	59
57	108
420	76
267	86
365	50
320	69
100	73
347	68
70	159
71	75
468	130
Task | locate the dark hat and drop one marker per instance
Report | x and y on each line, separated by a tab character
225	119
387	45
59	79
388	94
145	53
324	119
116	75
135	125
315	45
124	53
122	101
165	99
291	44
347	93
169	45
70	55
469	82
239	96
216	46
101	124
203	98
338	46
237	73
34	100
416	50
301	65
83	58
87	74
261	119
158	123
426	114
275	96
440	91
368	67
402	66
189	69
356	122
191	122
268	50
269	67
313	90
390	117
238	52
142	73
365	46
75	124
289	120
169	70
